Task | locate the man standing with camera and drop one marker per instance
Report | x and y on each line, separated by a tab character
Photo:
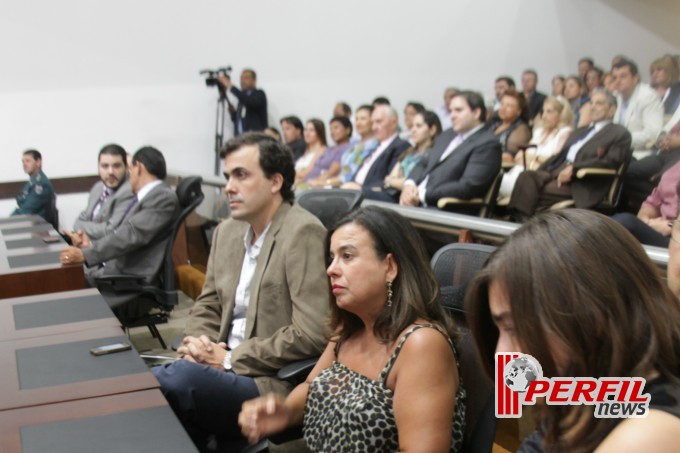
250	113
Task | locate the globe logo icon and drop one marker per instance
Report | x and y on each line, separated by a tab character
520	372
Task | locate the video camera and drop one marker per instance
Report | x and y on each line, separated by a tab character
212	74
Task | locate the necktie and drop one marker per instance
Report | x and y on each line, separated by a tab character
102	199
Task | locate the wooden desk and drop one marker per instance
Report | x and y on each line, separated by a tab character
130	422
59	368
29	265
54	313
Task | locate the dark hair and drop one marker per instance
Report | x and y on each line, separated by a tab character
632	67
417	106
346	123
293	121
521	102
275	157
560	77
580	280
346	109
380	100
415	289
532	72
274	131
474	101
153	161
366	107
113	150
587	60
506	79
432	120
251	71
320	130
34	153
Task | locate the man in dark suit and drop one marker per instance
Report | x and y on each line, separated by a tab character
250	114
265	298
463	161
601	145
109	198
534	98
379	163
137	245
293	130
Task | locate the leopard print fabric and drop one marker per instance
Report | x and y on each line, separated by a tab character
348	412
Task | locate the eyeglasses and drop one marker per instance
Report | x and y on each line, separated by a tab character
675	230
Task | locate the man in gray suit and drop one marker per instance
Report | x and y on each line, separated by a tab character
601	145
109	198
463	161
136	246
265	299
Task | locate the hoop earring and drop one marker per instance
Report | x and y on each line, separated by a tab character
389	293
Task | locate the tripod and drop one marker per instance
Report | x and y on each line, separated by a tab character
222	103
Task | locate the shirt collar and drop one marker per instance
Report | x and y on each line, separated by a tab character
471	132
144	191
388	140
253	250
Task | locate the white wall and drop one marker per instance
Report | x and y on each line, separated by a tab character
77	74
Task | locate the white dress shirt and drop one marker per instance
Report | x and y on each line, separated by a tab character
238	321
360	177
576	147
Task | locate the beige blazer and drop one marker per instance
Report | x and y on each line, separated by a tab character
289	295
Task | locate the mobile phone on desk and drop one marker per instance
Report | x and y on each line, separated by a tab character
110	349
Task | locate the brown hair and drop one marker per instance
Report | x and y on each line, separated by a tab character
579	279
521	103
415	289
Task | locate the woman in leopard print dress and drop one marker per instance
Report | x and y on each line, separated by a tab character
388	379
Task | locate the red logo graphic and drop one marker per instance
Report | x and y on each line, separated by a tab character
519	381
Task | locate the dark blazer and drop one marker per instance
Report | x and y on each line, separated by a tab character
289	295
609	148
137	245
110	214
465	173
251	108
672	102
382	167
535	103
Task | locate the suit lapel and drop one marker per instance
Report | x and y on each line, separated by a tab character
461	150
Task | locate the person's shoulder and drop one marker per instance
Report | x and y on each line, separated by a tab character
426	340
646	94
657	431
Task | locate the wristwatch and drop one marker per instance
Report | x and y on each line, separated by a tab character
227	361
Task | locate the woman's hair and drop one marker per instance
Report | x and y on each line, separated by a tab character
563	108
415	289
670	65
432	120
320	129
521	103
579	82
578	279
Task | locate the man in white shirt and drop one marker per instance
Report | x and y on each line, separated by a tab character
379	163
601	145
264	302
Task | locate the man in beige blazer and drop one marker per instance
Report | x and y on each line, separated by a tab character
265	300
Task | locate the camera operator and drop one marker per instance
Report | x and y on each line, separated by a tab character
250	113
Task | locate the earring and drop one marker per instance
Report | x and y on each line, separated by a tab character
389	293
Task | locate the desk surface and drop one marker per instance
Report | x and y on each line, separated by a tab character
7	222
138	421
56	368
29	265
54	313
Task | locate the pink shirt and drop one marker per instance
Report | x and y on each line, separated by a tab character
664	197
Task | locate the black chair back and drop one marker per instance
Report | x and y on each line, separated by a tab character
330	205
51	212
190	195
455	265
